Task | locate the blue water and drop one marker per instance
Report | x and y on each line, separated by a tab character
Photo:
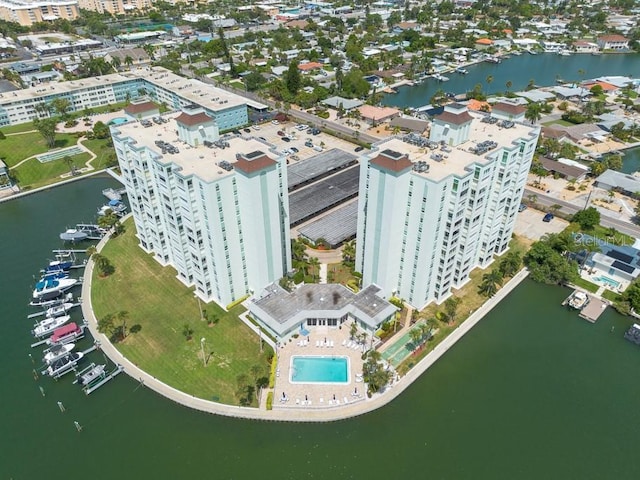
609	281
118	121
320	369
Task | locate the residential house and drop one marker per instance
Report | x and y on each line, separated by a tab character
613	42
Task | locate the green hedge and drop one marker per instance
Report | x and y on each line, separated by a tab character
270	401
272	373
237	302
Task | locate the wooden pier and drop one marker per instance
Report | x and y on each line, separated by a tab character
594	309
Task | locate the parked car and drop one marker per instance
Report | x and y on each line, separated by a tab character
275	122
308	143
280	133
294	150
286	139
548	217
359	149
247	130
522	207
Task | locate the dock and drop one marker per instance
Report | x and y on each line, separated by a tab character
114	193
594	309
93	387
43	312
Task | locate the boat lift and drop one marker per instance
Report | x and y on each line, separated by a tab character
72	366
43	312
99	381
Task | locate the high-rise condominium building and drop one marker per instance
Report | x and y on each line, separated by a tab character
218	215
430	212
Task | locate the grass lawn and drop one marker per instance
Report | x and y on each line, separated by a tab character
470	301
22	127
103	148
33	174
161	306
603	233
586	284
611	296
16	148
339	273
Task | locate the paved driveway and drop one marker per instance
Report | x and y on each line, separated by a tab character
529	224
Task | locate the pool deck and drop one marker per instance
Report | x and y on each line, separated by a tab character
289	395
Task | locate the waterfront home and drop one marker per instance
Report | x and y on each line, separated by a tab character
483	43
582	46
376	115
309	67
613	42
619	182
346	104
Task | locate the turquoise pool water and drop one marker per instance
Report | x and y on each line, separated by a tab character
609	281
319	369
118	121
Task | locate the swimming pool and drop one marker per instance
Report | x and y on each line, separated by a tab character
319	369
607	281
118	121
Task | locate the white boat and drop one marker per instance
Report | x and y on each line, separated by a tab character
462	71
95	372
64	364
57	352
40	302
578	300
114	206
47	326
440	78
59	310
50	288
83	231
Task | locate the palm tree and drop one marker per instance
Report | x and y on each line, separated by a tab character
510	264
416	336
115	63
69	161
490	283
106	324
123	316
534	112
314	263
555	208
128	61
348	251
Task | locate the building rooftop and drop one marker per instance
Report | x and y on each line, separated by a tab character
335	227
194	91
203	162
445	161
318	166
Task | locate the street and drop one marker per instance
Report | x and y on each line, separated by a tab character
605	220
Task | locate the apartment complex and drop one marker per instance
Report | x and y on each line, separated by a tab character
430	212
219	216
114	7
228	109
27	12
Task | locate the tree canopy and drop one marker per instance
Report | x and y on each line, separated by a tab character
587	218
548	262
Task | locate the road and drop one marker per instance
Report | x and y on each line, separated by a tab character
605	220
299	116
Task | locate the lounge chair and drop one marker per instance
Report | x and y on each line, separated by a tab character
344	342
346	400
331	343
350	344
321	400
337	402
356	346
317	343
297	401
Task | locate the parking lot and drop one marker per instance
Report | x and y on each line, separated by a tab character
289	137
529	224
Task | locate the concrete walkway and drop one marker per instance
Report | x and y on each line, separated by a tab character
323	273
302	415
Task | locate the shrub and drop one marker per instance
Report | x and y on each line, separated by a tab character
298	277
272	372
2	137
270	401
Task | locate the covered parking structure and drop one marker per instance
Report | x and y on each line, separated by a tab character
335	227
323	195
318	167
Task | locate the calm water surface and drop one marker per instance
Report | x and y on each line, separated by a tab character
532	392
543	69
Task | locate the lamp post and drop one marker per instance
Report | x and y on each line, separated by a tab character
204	359
199	306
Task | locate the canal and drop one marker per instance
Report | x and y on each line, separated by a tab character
531	392
543	69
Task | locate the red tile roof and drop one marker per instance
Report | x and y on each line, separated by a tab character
249	166
135	108
392	164
510	108
613	38
305	67
454	119
191	120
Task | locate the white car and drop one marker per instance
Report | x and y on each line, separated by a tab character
275	122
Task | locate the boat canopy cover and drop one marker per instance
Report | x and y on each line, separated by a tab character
114	203
64	331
